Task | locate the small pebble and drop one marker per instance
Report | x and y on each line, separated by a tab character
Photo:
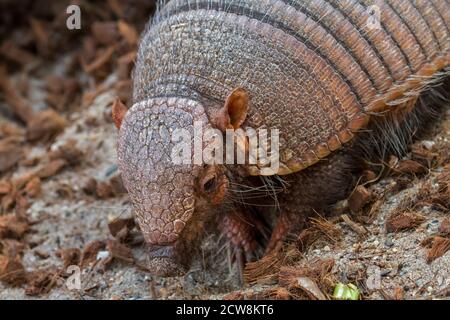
102	255
385	272
428	144
111	170
432	224
440	280
389	243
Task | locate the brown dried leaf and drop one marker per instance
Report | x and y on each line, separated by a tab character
50	169
19	106
423	155
120	228
106	33
54	83
403	221
90	251
33	187
22	205
116	7
236	295
69	152
410	167
369	176
438	246
41	254
119	252
21	181
306	238
62	91
12	271
124	90
12	227
5	187
11	247
318	271
117	186
14	53
70	256
272	293
444	228
277	293
65	191
128	32
326	228
10	154
45	125
100	61
399	293
89	49
127	58
359	229
392	162
265	269
359	198
104	190
42	281
90	187
9	129
42	37
8	201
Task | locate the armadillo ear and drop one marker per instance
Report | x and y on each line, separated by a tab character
234	112
118	112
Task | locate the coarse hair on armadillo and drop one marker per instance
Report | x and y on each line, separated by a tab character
386	135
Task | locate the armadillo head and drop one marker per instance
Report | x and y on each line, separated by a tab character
173	193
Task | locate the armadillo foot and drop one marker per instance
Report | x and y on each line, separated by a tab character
241	231
278	234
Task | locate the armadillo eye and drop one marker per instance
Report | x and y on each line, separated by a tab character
210	184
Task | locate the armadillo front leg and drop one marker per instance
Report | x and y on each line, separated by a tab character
241	230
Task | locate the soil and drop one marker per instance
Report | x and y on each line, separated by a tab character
60	190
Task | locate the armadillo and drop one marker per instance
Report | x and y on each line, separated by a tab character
343	81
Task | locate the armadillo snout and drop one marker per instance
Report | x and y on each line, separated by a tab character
163	261
165	267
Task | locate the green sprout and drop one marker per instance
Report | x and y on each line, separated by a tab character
346	292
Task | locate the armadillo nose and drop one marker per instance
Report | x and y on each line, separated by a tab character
157	251
162	262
